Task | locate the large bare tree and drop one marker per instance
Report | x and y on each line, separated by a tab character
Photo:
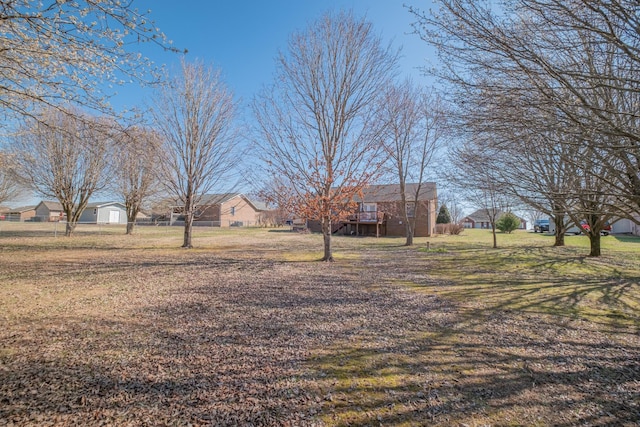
579	61
416	128
136	168
194	115
56	53
64	156
319	124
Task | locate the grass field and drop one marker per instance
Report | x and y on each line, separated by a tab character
247	329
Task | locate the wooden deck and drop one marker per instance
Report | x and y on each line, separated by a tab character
363	223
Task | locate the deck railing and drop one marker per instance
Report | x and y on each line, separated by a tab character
372	217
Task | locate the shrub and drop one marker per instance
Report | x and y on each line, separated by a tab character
451	228
508	222
456	229
443	215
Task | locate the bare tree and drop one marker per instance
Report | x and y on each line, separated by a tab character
575	61
135	166
195	116
479	183
10	187
452	200
415	131
319	125
64	156
54	51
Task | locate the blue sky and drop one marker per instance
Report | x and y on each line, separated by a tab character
242	38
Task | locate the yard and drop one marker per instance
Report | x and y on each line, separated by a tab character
247	329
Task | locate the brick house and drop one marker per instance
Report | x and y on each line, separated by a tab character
20	214
480	219
379	212
222	210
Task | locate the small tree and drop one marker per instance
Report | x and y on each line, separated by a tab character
508	222
135	168
443	215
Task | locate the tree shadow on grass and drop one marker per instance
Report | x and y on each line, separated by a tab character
511	352
232	341
451	379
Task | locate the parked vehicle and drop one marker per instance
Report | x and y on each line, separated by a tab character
541	225
584	228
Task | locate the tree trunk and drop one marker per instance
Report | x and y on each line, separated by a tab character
409	241
188	227
558	220
495	238
409	228
130	225
326	234
71	223
188	220
594	240
69	229
132	213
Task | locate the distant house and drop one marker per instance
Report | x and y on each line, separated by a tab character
48	212
222	210
480	219
104	213
379	212
626	226
20	214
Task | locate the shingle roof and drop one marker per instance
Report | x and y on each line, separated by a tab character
101	204
481	215
52	206
391	192
20	209
214	199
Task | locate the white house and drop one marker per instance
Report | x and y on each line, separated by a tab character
104	213
626	226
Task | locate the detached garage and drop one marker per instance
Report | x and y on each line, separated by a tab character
104	213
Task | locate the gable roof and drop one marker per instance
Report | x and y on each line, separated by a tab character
20	209
222	198
391	192
52	206
481	215
260	206
95	205
218	199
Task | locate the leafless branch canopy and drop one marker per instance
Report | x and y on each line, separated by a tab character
55	53
195	116
318	124
64	157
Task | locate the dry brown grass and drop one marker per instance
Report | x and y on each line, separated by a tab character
106	329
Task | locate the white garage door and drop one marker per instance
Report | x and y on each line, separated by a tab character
114	217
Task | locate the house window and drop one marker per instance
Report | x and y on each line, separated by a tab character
95	211
233	210
369	212
411	209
